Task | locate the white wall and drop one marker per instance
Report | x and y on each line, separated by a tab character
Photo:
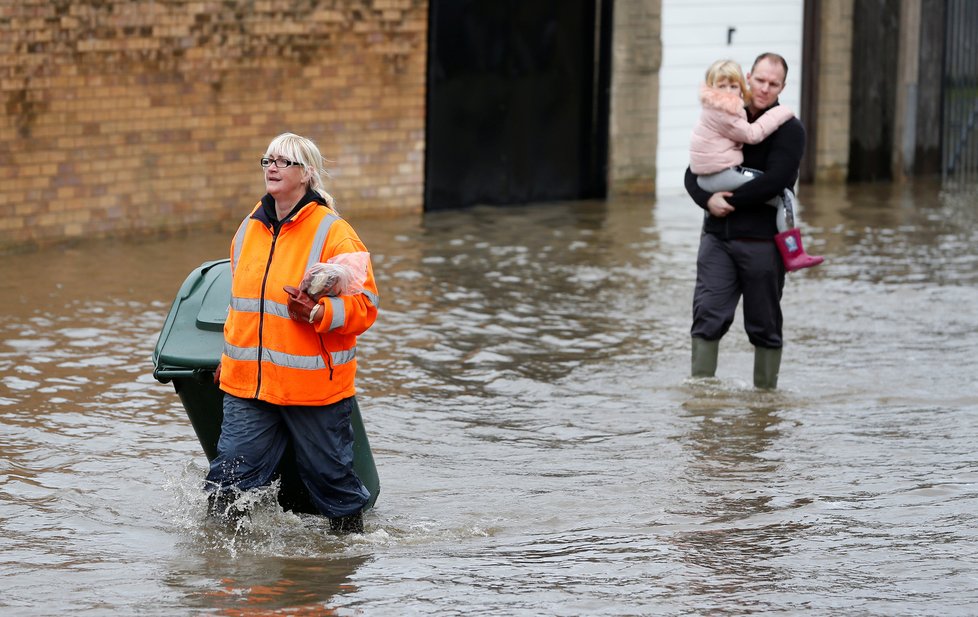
694	34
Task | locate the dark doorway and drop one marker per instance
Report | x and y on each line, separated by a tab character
960	119
517	101
875	35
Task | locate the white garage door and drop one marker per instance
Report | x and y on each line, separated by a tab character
694	34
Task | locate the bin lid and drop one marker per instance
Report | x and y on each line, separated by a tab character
193	333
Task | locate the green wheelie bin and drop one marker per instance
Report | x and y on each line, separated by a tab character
187	354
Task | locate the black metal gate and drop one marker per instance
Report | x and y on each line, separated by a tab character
960	123
517	101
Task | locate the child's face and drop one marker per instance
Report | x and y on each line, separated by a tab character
724	83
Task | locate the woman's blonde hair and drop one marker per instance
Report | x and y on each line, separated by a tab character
303	150
728	69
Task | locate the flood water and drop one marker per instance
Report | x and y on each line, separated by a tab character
540	447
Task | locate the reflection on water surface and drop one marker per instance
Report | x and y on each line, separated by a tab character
540	448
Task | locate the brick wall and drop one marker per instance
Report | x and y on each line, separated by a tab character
834	92
633	126
125	117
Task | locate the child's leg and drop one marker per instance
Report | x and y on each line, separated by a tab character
782	218
734	177
786	210
726	180
789	237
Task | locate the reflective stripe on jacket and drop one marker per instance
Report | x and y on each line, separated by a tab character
269	356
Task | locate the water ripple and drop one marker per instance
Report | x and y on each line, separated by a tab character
541	447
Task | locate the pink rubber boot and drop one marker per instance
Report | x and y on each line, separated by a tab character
792	252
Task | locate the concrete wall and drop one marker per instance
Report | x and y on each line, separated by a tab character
134	117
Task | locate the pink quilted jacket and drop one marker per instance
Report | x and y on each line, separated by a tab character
723	129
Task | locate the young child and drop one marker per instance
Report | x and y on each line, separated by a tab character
715	152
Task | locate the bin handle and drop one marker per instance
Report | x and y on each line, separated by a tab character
164	375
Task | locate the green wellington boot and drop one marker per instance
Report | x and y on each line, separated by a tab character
705	357
767	363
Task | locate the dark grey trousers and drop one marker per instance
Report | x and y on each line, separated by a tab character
729	269
254	436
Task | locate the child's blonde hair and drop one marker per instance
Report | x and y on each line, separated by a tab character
730	70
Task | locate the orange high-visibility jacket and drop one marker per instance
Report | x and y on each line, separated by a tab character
269	356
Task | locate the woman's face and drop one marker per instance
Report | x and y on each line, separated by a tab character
284	181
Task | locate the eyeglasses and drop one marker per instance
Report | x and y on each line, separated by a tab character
280	163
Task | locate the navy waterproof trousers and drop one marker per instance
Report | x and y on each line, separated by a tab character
729	269
254	435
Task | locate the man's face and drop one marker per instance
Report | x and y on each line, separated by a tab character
766	82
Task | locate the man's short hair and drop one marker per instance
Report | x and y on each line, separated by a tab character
773	57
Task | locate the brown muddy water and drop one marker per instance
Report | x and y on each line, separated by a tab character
540	448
